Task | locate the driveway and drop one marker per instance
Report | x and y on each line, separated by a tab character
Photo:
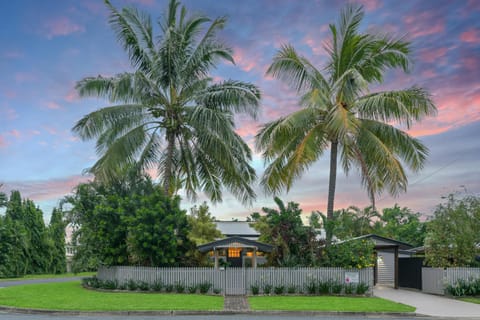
430	305
33	281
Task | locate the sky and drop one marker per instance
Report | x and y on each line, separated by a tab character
49	45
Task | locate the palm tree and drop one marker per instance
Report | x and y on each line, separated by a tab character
339	112
168	114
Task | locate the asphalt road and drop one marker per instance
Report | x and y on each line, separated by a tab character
10	316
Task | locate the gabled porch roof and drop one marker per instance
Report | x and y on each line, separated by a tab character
235	242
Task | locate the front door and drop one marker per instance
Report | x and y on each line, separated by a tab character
234	257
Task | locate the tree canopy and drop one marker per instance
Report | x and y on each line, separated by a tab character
340	113
168	114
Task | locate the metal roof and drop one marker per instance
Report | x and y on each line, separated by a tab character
237	228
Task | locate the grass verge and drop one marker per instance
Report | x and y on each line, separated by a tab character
50	276
471	299
326	303
71	296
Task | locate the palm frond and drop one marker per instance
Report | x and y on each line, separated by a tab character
295	70
231	96
402	106
95	123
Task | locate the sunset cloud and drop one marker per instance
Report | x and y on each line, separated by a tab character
46	189
3	142
471	36
61	26
53	105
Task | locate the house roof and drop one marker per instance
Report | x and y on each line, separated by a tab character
383	241
237	228
235	242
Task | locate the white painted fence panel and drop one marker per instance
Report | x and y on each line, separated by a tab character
232	281
432	280
436	280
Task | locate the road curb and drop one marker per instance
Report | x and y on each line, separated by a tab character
199	312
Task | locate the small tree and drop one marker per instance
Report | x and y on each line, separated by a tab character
453	235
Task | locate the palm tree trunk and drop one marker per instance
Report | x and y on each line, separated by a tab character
331	190
167	175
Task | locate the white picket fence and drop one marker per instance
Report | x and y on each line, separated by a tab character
232	280
436	280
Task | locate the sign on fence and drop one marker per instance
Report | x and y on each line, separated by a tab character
352	277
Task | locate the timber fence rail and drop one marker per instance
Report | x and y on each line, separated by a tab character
233	280
436	280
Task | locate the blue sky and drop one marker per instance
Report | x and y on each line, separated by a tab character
49	45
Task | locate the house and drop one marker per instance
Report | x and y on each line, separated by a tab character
387	252
239	246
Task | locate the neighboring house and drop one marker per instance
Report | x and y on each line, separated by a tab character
387	252
238	247
69	247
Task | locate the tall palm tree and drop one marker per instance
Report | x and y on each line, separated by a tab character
339	112
168	113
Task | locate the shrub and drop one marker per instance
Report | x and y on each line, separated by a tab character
217	290
205	287
157	286
324	287
463	287
341	255
350	288
179	287
291	289
280	289
169	287
143	286
311	286
109	284
123	286
335	287
255	288
131	285
267	288
192	288
92	282
362	288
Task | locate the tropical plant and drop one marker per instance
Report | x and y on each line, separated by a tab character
339	112
453	234
168	114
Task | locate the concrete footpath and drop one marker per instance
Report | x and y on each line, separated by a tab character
430	305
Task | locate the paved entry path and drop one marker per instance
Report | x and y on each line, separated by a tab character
236	303
429	304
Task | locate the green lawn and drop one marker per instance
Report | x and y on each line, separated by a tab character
71	296
471	299
49	276
326	303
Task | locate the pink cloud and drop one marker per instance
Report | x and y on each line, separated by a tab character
61	26
15	133
3	142
50	130
471	36
432	55
47	189
423	24
22	77
10	94
53	105
242	61
71	95
143	2
370	5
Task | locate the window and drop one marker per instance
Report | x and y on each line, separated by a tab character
234	252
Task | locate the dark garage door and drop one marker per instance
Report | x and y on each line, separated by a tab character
410	273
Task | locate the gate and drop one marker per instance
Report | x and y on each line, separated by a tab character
410	273
234	281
